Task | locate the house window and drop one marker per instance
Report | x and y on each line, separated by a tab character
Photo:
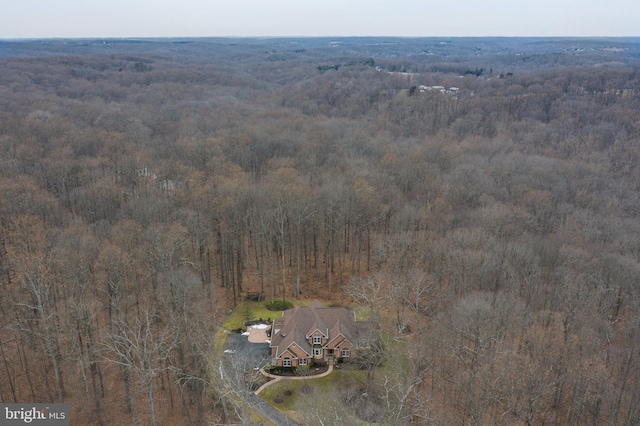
286	362
317	339
317	352
303	361
345	353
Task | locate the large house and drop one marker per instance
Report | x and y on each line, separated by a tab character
313	332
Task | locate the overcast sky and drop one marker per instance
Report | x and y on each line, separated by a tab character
189	18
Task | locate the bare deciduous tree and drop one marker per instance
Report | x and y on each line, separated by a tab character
372	291
143	347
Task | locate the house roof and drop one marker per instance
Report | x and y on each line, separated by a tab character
299	324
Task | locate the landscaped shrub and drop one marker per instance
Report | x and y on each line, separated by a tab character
279	305
278	369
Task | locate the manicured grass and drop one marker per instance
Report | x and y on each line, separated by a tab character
276	392
338	378
248	310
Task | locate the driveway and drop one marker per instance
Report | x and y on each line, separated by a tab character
258	333
247	355
253	356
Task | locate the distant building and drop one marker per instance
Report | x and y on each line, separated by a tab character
441	89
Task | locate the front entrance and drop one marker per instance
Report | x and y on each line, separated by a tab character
317	352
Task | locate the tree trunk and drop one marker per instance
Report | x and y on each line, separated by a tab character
9	375
260	265
25	365
152	409
239	266
340	256
284	275
298	260
131	407
205	266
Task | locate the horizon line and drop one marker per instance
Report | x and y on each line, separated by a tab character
312	37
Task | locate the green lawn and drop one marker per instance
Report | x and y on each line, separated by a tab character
290	393
247	311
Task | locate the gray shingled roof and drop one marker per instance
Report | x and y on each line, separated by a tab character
299	323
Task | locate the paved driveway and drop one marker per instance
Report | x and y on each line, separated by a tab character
247	355
251	356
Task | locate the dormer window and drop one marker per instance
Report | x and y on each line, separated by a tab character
317	339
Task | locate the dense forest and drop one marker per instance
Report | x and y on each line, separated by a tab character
482	195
